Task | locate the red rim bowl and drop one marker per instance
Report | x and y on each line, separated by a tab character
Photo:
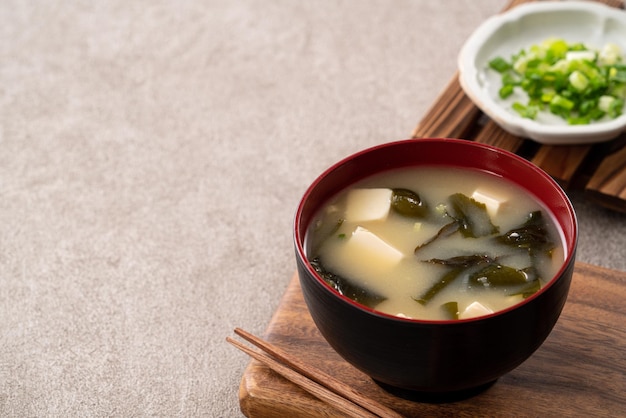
435	357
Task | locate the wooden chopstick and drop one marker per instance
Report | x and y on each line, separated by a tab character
340	403
318	383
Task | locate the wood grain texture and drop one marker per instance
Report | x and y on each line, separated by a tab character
492	134
579	371
561	162
608	184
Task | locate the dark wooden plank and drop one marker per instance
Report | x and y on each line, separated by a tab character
561	162
492	134
607	186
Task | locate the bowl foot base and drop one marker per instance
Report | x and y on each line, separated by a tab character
434	397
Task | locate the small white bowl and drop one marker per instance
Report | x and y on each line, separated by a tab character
503	35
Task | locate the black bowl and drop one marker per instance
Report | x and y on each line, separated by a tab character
435	357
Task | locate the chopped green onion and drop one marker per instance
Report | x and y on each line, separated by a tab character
580	120
561	106
571	80
529	112
605	103
578	80
499	64
611	105
506	90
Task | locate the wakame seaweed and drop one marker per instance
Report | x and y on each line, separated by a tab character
528	289
444	231
532	235
497	275
472	216
408	203
491	274
463	261
469	217
472	220
458	265
450	310
445	280
346	287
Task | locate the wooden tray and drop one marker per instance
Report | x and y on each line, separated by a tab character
599	170
580	370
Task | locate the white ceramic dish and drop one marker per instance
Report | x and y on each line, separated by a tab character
503	35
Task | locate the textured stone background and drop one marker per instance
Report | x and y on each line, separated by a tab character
152	154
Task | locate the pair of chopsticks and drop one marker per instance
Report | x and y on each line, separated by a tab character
316	382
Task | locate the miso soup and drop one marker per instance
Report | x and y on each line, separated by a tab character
435	243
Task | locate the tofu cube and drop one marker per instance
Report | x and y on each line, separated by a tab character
373	248
366	258
492	202
475	309
368	204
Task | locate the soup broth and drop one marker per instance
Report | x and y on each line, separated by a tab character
435	243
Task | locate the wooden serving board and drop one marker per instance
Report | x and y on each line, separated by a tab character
580	370
598	169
